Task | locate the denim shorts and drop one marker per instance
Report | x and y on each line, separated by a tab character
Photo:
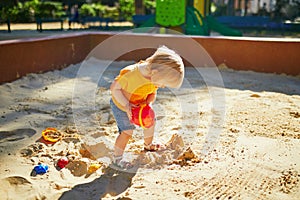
121	118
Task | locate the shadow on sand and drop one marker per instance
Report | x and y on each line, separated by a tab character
112	182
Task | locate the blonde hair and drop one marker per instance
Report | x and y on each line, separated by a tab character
169	67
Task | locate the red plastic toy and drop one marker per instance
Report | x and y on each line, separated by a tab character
62	162
143	116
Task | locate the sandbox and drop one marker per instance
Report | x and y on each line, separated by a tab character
249	123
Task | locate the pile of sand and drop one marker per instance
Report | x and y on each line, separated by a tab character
236	142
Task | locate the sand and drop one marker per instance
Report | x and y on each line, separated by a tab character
236	142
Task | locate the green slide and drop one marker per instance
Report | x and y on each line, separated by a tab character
147	26
149	23
221	28
197	25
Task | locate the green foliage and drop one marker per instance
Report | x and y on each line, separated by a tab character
93	10
49	9
111	12
96	9
29	10
100	9
126	9
22	12
87	10
150	4
5	13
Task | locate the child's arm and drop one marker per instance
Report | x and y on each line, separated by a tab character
116	91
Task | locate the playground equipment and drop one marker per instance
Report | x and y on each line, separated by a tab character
191	20
198	25
170	13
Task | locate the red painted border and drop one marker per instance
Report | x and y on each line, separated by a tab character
20	57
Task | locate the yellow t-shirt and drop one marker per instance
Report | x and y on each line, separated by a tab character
135	86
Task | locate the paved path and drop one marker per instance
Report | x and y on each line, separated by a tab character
28	30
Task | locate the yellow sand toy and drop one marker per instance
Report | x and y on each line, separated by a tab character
51	135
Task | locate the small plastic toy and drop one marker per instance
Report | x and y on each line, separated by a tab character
143	116
41	169
62	162
93	167
51	134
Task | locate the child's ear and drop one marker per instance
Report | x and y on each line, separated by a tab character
148	68
151	71
154	71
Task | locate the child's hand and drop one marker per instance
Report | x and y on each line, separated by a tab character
128	110
151	98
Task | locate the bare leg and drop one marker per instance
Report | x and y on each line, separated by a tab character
121	142
148	138
148	134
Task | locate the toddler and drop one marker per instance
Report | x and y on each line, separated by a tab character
136	85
